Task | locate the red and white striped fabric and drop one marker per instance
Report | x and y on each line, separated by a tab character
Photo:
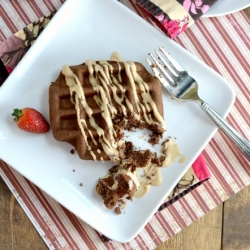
224	44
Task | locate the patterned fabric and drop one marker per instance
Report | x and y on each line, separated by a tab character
174	16
14	48
196	8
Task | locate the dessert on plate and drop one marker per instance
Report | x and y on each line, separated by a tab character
91	104
90	107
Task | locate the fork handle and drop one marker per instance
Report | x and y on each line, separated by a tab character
235	136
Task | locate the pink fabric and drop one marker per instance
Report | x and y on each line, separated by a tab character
9	69
192	10
193	6
200	168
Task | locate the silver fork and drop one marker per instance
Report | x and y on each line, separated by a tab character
182	87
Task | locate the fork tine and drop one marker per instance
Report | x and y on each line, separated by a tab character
153	67
158	75
171	59
169	78
166	65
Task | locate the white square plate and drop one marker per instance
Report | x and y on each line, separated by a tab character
93	29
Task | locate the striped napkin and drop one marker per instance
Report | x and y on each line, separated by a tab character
227	55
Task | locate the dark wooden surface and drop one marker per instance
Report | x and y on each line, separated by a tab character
227	227
16	230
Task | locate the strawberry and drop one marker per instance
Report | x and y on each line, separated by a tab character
30	120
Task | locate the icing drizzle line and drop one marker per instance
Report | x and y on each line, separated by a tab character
102	80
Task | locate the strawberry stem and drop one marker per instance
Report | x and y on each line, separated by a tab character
17	113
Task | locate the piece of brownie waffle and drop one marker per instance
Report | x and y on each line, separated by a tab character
112	93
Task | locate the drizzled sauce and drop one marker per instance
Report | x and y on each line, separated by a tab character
152	173
104	82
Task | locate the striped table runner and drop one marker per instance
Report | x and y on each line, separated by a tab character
224	44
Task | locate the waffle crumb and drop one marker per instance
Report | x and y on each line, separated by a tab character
118	210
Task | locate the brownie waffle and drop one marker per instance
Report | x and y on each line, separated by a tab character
91	104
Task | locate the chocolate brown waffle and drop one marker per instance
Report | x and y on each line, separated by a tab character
91	104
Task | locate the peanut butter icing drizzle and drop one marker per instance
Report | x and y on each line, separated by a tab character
102	79
153	173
